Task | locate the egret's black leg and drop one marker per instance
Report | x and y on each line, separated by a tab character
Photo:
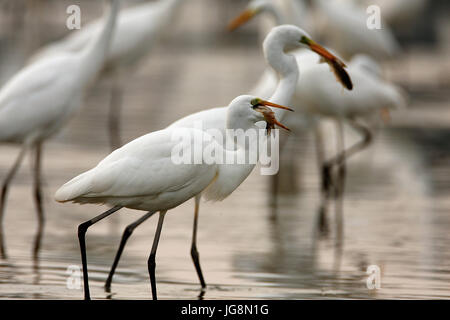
4	193
126	234
357	147
151	263
325	178
339	161
274	184
82	228
194	253
115	107
339	196
38	200
275	159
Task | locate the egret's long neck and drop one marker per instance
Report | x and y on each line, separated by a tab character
286	67
277	15
232	174
94	54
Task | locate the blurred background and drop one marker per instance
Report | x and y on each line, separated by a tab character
396	204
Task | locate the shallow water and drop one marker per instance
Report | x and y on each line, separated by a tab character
396	204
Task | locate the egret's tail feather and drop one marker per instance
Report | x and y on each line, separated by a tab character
75	188
398	97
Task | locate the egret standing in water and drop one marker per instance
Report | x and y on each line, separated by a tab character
285	65
137	30
40	99
142	174
318	94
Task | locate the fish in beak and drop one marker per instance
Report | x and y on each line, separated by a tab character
336	64
269	116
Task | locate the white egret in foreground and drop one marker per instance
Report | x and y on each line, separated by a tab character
137	30
39	100
276	42
142	174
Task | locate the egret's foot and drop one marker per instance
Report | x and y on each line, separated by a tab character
201	295
323	225
327	181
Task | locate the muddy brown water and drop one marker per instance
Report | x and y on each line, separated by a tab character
396	204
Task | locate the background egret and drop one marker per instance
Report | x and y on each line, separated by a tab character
37	101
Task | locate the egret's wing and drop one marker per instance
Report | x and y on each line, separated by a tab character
136	30
320	91
34	96
143	167
214	118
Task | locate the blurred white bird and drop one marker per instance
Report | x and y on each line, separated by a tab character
40	99
295	12
276	42
142	174
371	95
318	94
137	30
343	24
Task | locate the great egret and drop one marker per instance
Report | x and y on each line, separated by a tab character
371	94
344	22
295	12
267	83
137	30
323	97
276	42
38	101
142	175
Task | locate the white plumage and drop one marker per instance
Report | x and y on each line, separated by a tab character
136	31
143	174
39	99
319	93
274	46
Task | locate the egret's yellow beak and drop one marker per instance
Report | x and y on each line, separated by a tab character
269	116
336	64
245	16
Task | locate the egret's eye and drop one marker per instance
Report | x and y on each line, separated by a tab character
255	102
305	40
